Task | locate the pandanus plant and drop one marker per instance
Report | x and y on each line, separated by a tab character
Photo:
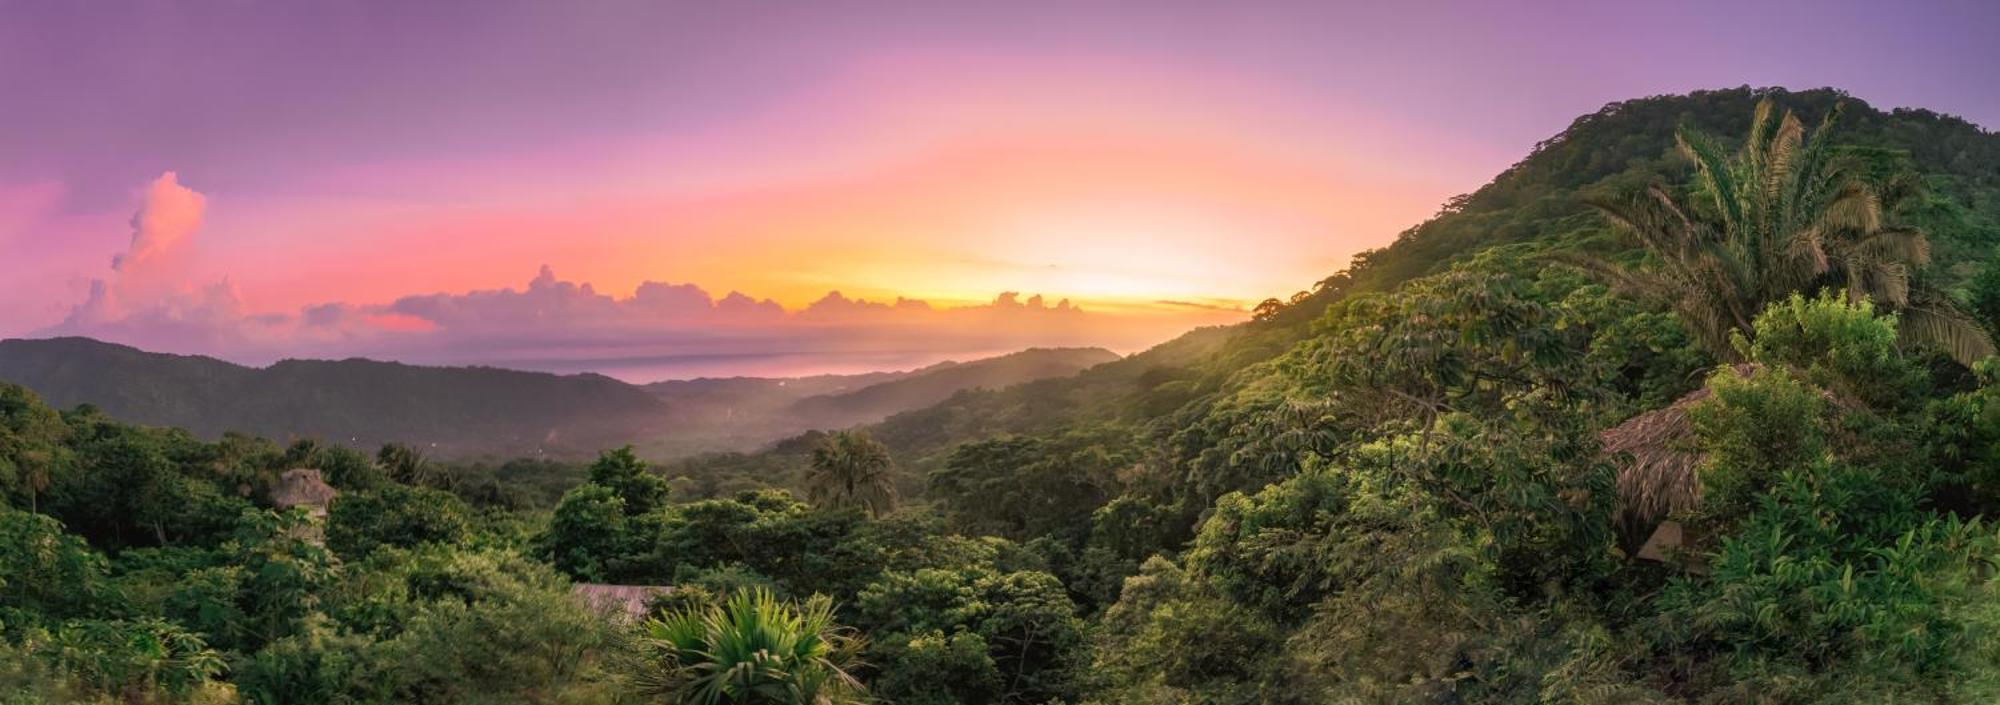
753	648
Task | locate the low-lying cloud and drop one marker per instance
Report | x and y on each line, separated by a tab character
660	330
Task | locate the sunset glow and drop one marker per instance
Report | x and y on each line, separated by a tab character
1158	172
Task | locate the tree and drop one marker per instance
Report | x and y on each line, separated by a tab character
626	475
134	658
395	516
1022	487
1033	643
1786	213
1267	310
850	469
31	443
404	464
285	574
46	573
768	533
587	529
341	466
133	492
753	649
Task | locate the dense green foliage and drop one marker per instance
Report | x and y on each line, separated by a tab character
1785	213
1392	488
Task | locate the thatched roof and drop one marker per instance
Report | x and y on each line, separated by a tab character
302	487
1657	457
1656	475
622	601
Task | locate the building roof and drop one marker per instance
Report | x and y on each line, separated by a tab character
628	601
302	487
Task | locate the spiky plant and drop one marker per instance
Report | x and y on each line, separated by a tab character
752	649
1785	213
850	469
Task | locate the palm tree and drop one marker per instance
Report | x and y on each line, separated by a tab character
1783	214
403	464
849	469
37	479
751	649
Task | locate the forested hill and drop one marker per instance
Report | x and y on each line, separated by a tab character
1389	487
936	383
448	411
746	413
460	412
1630	143
1534	209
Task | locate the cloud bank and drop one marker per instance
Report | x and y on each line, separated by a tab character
661	330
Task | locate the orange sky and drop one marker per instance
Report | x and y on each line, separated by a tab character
882	192
1154	200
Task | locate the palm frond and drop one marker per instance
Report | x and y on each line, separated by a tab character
1895	244
1713	168
1809	246
1933	323
1811	172
1853	208
1754	142
1778	169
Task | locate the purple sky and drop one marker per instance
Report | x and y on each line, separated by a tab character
1115	154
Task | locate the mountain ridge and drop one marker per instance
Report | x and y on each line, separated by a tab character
477	410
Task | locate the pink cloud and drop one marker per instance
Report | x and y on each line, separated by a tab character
661	329
148	289
168	216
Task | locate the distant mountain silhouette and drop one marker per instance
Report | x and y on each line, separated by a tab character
473	411
742	413
937	383
451	411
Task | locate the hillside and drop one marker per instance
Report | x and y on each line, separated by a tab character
745	395
1388	488
448	411
748	413
870	403
458	412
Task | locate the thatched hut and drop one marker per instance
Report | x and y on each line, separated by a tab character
1657	471
1656	460
303	487
620	602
